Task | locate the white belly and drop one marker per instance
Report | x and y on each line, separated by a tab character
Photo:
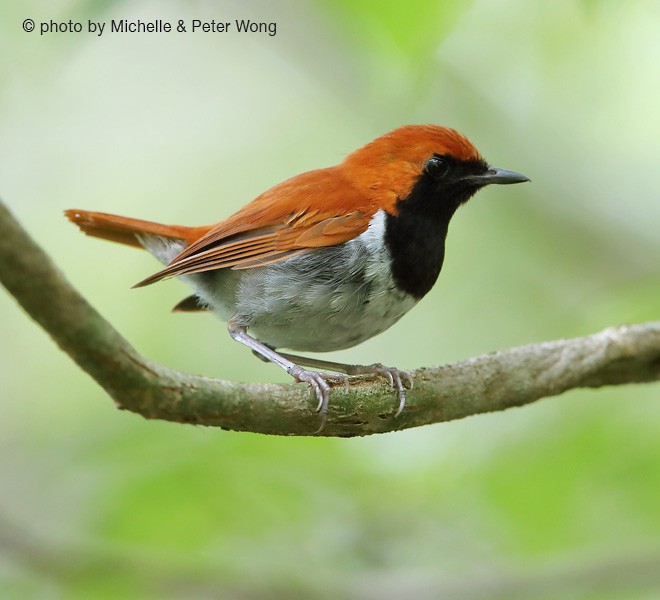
322	300
337	311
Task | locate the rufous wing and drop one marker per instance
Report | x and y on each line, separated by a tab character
312	210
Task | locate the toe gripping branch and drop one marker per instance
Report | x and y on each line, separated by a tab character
320	381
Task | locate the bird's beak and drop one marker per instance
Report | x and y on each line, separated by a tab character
501	176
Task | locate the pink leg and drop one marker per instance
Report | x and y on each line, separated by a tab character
318	381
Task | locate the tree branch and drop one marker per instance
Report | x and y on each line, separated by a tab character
618	355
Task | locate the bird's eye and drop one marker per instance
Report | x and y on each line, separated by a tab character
436	166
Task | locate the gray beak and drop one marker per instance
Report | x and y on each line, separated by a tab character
501	176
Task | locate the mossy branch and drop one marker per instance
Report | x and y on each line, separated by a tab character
615	356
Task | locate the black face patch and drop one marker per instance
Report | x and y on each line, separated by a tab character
416	234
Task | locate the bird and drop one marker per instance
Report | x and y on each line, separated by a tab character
326	259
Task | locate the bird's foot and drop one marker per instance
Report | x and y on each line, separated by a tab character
321	381
400	380
322	384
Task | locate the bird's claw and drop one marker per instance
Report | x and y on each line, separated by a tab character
321	384
396	379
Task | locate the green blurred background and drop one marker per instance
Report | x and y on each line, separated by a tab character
560	499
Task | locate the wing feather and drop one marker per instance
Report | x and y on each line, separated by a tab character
274	227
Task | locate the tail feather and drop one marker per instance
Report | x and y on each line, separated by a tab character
125	230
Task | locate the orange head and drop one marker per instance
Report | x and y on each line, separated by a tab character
387	167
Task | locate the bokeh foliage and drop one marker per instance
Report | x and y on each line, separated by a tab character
556	500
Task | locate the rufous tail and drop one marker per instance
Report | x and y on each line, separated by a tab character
124	229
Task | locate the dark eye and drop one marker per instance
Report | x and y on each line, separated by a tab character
437	167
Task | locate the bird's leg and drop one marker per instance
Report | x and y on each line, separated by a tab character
394	376
318	381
